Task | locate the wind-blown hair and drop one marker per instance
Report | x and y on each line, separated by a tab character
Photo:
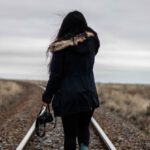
74	23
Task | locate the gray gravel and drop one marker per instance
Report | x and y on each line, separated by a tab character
123	134
53	139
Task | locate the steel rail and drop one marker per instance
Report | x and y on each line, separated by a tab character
29	134
100	131
102	134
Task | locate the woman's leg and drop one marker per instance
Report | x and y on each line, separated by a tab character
70	124
83	129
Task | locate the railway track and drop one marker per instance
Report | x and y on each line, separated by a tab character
107	144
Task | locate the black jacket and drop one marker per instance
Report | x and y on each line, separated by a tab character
71	85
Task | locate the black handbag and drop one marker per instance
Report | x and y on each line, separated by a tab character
42	119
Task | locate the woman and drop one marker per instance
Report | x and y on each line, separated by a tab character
71	85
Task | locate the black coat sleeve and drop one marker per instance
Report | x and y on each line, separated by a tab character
96	40
97	44
56	71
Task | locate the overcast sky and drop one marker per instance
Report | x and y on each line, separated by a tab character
27	28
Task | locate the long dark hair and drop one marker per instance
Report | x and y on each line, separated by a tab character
73	23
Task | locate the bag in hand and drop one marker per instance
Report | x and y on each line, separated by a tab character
42	119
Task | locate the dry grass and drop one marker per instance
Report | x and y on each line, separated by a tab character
9	91
9	88
131	102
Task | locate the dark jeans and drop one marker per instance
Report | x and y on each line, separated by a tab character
76	126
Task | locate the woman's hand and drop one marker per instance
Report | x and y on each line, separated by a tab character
45	99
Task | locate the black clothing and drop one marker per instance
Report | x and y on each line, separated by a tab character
71	85
76	126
